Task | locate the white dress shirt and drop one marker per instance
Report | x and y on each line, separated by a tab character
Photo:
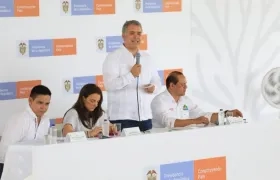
23	127
72	118
166	110
121	85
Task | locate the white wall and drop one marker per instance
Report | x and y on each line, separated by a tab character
224	47
240	40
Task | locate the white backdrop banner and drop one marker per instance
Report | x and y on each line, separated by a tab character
224	48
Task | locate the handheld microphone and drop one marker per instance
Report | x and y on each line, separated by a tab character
137	58
137	93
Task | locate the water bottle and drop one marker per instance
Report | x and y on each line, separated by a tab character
106	128
221	117
53	135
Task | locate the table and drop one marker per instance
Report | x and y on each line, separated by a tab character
18	161
251	151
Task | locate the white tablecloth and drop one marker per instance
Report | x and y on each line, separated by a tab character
18	160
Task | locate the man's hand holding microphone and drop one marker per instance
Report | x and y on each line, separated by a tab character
136	70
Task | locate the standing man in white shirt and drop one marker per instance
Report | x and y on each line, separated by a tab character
31	124
172	108
130	86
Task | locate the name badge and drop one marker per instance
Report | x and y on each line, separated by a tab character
76	136
131	131
185	112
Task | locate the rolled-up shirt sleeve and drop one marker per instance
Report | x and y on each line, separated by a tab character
112	80
160	112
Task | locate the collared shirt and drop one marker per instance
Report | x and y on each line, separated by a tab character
72	118
23	127
166	110
121	85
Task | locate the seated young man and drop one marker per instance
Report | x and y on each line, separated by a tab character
30	124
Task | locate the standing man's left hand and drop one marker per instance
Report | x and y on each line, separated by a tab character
149	88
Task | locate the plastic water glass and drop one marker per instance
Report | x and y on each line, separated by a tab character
118	129
229	115
169	127
60	138
53	135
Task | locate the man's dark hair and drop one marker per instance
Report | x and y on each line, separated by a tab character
172	78
39	90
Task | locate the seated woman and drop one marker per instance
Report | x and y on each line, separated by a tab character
86	114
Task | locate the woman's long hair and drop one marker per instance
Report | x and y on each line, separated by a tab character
88	118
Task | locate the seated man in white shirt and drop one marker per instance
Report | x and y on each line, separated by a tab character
30	124
172	108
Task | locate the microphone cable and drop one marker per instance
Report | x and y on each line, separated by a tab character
137	95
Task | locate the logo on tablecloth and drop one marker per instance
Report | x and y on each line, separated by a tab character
203	169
